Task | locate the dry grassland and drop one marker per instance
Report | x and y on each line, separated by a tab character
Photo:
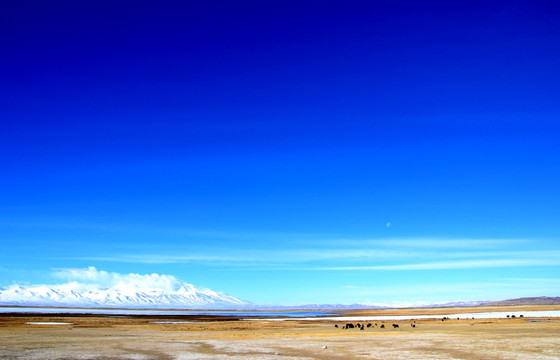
137	337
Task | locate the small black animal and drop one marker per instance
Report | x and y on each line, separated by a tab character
369	325
395	326
382	326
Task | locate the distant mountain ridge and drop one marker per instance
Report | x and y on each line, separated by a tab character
187	296
459	303
540	300
365	306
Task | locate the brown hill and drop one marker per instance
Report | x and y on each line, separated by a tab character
541	300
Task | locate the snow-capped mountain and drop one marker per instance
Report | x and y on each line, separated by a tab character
459	303
187	296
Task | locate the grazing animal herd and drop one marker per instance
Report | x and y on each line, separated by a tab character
395	326
369	325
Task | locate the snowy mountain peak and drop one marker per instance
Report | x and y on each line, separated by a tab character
187	296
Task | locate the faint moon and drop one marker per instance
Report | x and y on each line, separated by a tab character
388	224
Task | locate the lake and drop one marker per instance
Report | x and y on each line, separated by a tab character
275	315
152	312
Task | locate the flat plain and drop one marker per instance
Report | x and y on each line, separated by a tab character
39	336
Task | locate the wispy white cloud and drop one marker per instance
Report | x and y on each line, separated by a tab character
169	259
185	232
350	259
534	280
449	265
427	243
299	238
260	256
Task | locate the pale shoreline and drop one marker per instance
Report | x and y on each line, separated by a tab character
477	315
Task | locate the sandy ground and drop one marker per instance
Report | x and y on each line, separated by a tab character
137	337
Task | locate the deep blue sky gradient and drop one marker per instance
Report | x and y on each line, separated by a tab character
211	131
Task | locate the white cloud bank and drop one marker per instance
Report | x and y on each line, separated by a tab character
92	278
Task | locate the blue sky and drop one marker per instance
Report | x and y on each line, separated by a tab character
285	152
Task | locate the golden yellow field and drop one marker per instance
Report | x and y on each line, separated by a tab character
106	337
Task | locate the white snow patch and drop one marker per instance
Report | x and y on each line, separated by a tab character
478	315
